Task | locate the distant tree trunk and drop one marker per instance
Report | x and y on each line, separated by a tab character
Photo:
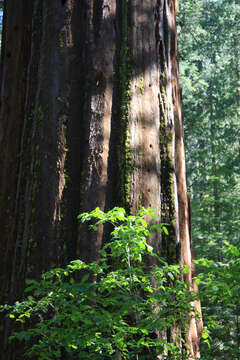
90	116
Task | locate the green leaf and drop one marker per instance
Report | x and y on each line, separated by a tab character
165	230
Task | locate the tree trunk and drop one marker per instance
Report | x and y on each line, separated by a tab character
90	116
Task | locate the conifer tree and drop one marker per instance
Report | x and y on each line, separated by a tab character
90	116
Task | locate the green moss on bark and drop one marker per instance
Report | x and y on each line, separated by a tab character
167	179
124	151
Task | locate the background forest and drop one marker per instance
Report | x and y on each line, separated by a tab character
209	56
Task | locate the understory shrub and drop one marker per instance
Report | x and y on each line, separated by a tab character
116	308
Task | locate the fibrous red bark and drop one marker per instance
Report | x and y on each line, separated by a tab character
90	116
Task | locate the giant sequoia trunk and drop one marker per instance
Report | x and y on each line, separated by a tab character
90	116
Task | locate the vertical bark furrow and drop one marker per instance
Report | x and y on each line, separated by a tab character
48	142
167	135
76	99
24	195
124	152
15	57
119	162
144	122
97	116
